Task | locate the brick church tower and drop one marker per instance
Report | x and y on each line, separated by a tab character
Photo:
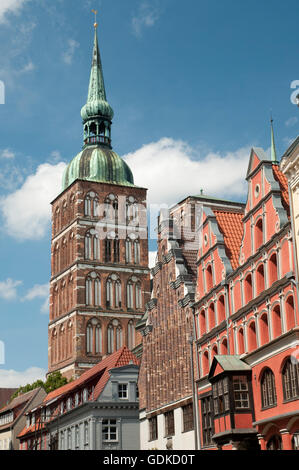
99	254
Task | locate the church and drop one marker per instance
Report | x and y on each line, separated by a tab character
99	251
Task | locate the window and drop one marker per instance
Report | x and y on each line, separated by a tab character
241	396
108	250
295	441
136	252
131	335
268	389
109	430
138	295
188	423
77	437
117	287
123	391
85	394
221	396
109	293
258	234
128	251
130	294
248	288
119	337
207	420
290	379
86	434
110	334
169	423
153	428
93	337
87	206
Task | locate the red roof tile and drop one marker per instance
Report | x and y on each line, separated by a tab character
283	183
120	358
231	226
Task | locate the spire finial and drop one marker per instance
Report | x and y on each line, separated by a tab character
95	14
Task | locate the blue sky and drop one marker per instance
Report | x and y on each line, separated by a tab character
192	85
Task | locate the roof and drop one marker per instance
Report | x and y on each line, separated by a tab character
283	183
231	226
19	402
229	363
122	357
99	164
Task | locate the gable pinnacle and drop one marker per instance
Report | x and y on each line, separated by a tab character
273	148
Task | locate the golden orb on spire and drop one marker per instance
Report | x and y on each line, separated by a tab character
95	14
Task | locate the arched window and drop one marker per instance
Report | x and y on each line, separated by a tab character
136	252
251	334
290	379
128	251
117	287
109	293
131	335
223	347
97	292
110	337
94	337
88	240
89	339
88	291
202	322
264	329
290	313
205	363
119	337
241	345
209	278
273	273
96	207
268	391
111	208
221	309
260	279
130	295
93	290
108	250
258	232
116	250
276	321
138	295
248	288
211	315
87	206
214	352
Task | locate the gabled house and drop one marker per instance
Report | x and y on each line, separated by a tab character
12	417
97	411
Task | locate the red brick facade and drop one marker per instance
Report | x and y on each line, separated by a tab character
98	288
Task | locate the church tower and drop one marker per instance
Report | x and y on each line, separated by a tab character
99	253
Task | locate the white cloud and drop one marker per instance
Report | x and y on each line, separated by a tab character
14	379
29	67
147	15
27	211
291	122
172	170
10	6
68	55
8	289
7	154
39	291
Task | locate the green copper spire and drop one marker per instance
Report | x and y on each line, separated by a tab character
97	113
273	148
97	161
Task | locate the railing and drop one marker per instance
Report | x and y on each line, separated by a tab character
97	139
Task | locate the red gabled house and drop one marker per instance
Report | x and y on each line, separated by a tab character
246	318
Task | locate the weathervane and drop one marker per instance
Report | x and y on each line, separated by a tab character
95	14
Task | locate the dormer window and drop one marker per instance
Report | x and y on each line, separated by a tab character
123	391
85	395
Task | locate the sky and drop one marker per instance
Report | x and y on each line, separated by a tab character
192	85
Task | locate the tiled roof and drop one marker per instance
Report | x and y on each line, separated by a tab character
34	427
20	400
231	226
120	358
283	183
